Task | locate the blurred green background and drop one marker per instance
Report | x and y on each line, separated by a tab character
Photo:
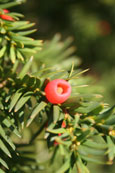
92	25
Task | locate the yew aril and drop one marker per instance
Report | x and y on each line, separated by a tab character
5	16
57	91
6	11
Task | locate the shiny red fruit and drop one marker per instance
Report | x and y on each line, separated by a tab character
6	17
63	124
6	11
57	91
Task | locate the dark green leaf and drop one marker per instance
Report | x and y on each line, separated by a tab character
93	160
35	112
64	167
12	54
2	133
15	99
96	145
82	149
4	149
111	148
27	32
56	131
1	171
105	115
4	164
2	51
10	4
23	100
56	113
25	68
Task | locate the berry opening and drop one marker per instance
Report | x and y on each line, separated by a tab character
61	88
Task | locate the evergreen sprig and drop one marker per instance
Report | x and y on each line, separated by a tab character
14	41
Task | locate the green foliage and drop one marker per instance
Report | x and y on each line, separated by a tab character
15	44
26	117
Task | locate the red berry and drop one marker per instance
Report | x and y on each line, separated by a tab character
56	143
6	17
6	11
59	134
63	124
57	91
104	27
